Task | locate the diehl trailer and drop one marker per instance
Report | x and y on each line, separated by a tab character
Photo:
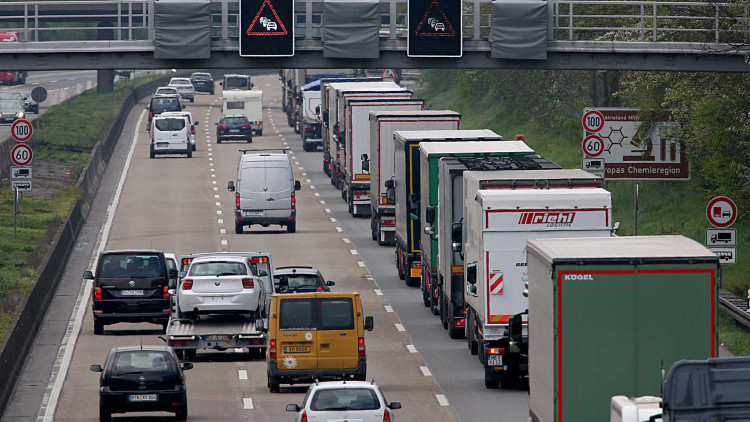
346	92
450	211
382	126
430	154
607	316
404	188
327	102
356	189
497	224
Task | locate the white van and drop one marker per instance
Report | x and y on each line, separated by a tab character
245	103
264	191
170	135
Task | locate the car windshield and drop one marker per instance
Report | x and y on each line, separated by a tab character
336	314
165	103
296	281
345	399
140	361
166	91
10	105
17	96
217	268
236	82
170	124
201	76
176	81
234	120
296	314
131	265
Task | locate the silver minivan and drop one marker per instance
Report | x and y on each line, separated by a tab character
264	191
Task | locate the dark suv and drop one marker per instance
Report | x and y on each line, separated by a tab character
203	82
298	279
130	286
234	127
161	103
142	379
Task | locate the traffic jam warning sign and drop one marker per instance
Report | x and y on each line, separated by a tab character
435	28
21	130
21	155
629	156
266	28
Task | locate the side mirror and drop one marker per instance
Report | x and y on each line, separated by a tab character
230	186
195	123
173	273
317	110
457	247
390	184
260	326
292	408
325	117
262	273
183	107
330	283
390	195
473	289
96	368
457	233
297	185
369	323
394	405
88	275
216	124
251	85
187	366
366	165
471	274
221	84
429	214
516	327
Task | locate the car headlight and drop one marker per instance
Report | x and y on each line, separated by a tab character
20	114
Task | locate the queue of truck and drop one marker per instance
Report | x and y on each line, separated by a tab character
466	210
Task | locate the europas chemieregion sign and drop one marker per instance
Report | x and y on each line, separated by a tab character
609	134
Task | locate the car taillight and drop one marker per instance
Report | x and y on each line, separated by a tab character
387	222
222	126
294	201
495	350
247	283
237	200
187	284
192	130
361	347
387	416
304	416
165	295
97	292
320	288
272	349
308	129
150	115
247	126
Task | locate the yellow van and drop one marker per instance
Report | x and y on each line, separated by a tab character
316	336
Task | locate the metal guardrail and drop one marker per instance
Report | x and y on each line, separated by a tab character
736	308
573	25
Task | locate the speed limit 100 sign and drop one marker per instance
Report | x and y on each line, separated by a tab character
593	146
21	130
21	155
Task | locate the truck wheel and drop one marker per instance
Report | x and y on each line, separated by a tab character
190	354
373	227
249	139
291	227
473	345
399	265
180	354
218	140
434	299
425	297
238	228
273	385
443	313
98	328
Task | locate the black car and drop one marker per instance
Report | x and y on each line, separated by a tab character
299	279
234	128
130	286
203	82
142	379
161	103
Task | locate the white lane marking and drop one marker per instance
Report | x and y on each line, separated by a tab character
212	174
213	182
346	240
218	204
333	220
378	292
211	159
215	188
223	231
296	162
209	150
425	371
285	143
308	181
216	196
311	186
441	400
388	308
69	342
353	252
223	242
211	164
210	154
304	174
242	372
400	327
301	168
411	348
321	201
218	212
339	229
212	170
361	264
317	194
247	403
221	221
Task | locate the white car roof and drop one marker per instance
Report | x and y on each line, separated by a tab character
213	258
345	384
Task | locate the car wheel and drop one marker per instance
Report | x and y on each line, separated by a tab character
273	385
182	411
98	328
238	228
291	227
190	153
192	100
249	139
164	326
152	154
218	140
260	133
105	415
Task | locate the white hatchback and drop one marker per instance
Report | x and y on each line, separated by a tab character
219	285
359	401
170	135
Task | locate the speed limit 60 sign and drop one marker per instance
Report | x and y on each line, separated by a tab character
593	146
21	130
21	155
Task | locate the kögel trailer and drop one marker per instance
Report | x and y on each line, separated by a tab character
451	211
382	126
608	315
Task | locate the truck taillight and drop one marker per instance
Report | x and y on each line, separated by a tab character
417	265
272	349
294	201
361	347
237	200
259	260
320	288
387	222
461	322
495	350
186	261
304	416
187	284
387	416
165	295
248	283
173	343
97	292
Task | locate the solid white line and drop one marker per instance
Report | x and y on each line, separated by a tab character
242	373
441	400
388	308
378	292
400	327
69	343
411	348
247	403
425	371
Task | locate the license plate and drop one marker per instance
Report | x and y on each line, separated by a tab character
217	338
495	360
131	292
253	213
297	349
234	131
416	272
162	144
143	397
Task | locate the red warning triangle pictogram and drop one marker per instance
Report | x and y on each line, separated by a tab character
280	30
431	30
389	74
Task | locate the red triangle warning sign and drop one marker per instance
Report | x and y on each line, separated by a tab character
435	23
389	74
266	22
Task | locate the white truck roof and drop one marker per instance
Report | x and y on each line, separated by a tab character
529	174
244	94
409	135
675	246
473	147
365	86
422	113
511	199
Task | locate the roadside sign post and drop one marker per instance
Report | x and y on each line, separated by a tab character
721	212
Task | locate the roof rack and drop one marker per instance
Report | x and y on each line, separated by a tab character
245	151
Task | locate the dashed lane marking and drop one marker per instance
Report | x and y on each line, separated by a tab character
354	252
333	220
247	403
425	371
441	400
378	292
411	348
221	221
361	264
242	374
339	229
388	308
224	242
400	327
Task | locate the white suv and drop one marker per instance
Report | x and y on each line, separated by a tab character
218	285
344	400
170	135
184	87
188	115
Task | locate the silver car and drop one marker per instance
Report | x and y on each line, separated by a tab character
219	285
184	87
166	90
359	401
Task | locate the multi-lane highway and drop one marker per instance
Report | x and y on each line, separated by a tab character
181	205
